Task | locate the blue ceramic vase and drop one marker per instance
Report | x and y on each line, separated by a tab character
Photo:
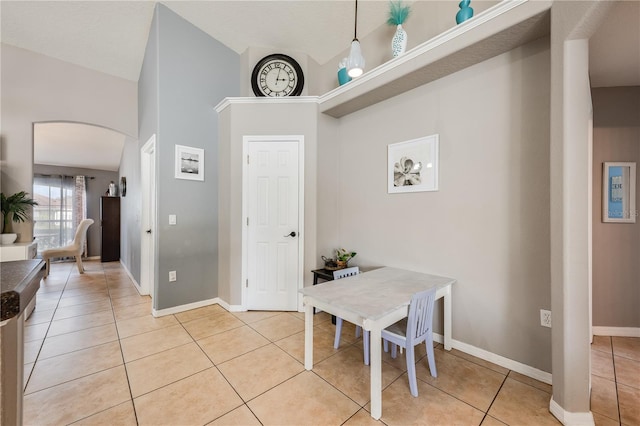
465	11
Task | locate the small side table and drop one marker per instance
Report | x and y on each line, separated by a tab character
326	275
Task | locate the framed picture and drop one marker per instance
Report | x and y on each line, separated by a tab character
619	192
189	163
413	165
123	186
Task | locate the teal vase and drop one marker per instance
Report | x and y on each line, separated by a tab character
465	11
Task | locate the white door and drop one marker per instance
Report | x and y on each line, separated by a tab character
148	189
273	223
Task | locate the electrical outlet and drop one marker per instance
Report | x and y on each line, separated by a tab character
545	318
172	276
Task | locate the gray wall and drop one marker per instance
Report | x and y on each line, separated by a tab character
488	225
191	73
616	246
95	189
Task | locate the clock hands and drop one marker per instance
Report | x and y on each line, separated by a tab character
278	77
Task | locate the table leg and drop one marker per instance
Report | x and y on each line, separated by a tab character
447	319
376	373
308	336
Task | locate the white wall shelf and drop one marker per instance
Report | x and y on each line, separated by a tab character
497	30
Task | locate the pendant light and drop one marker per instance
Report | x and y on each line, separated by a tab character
355	61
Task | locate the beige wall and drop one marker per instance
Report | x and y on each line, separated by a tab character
488	225
260	118
37	88
616	246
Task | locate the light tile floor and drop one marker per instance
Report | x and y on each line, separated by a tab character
615	380
95	355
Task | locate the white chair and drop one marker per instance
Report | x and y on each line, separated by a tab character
342	273
75	249
412	331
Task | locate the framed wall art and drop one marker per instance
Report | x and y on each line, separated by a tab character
189	163
619	192
413	165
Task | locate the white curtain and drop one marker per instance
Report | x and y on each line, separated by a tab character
80	204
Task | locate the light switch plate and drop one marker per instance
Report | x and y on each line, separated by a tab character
172	219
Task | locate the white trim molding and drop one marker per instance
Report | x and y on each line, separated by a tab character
187	307
265	100
616	331
516	366
568	418
133	280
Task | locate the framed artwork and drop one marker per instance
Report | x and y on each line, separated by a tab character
619	193
413	165
189	163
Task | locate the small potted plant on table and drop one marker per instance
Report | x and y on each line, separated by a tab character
343	256
14	209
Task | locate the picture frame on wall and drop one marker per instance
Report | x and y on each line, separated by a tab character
189	163
413	165
619	192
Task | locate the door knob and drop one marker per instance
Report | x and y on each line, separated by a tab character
148	231
292	234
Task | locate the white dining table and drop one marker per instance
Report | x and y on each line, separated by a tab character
373	300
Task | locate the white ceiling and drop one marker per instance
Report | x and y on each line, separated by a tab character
77	145
110	36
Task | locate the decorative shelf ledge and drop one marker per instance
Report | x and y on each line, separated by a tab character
497	30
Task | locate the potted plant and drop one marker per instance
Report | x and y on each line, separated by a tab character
343	257
14	209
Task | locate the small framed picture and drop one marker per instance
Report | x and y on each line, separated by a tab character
189	163
619	193
413	165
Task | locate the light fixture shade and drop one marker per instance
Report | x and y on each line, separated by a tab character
355	61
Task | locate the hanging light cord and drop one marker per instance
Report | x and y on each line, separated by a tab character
355	25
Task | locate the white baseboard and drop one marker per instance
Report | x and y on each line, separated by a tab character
92	258
516	366
231	308
616	331
189	306
135	283
568	418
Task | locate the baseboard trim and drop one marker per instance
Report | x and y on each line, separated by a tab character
569	418
187	307
231	308
617	331
135	283
516	366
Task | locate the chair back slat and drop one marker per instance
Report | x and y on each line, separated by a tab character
420	318
81	232
346	272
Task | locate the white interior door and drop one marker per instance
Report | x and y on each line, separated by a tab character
147	183
273	225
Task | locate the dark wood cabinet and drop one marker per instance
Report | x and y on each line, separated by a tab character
110	228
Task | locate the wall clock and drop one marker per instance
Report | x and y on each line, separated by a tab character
277	75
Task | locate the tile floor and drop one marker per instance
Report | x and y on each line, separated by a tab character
615	380
95	355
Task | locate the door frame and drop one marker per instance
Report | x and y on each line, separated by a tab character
148	165
246	140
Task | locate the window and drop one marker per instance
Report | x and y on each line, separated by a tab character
53	216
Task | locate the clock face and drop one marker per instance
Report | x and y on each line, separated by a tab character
276	76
